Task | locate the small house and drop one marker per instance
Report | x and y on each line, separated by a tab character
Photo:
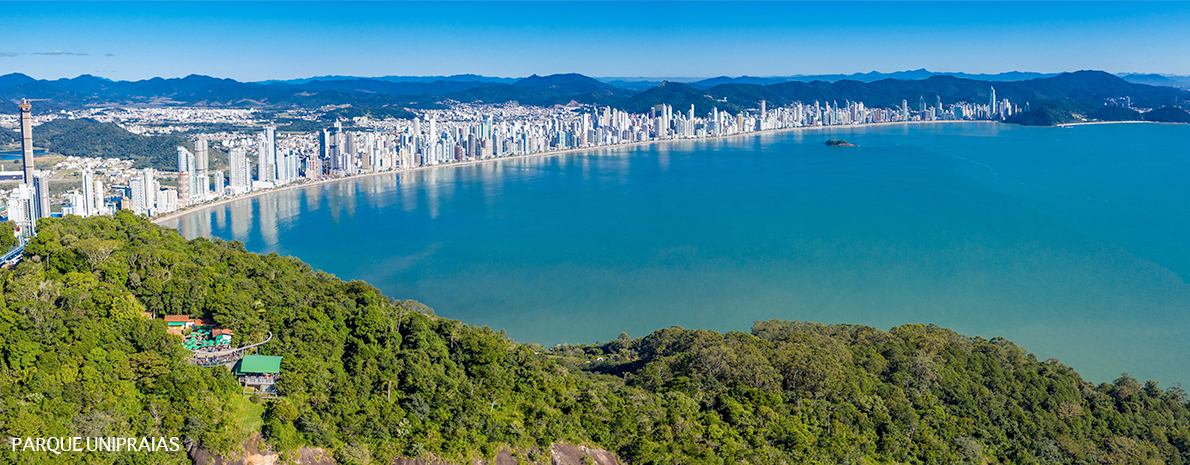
222	336
259	372
179	321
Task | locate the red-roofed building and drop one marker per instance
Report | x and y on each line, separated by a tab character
222	336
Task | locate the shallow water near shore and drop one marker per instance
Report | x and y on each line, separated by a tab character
1071	242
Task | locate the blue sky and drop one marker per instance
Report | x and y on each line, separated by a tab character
280	40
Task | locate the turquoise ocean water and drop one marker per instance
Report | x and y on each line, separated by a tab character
1071	242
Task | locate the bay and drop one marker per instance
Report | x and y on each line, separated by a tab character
1070	242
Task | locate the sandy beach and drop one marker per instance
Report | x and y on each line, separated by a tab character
301	185
1101	122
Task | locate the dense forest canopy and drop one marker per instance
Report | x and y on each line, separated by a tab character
89	138
371	378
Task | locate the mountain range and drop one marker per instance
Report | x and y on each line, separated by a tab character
396	96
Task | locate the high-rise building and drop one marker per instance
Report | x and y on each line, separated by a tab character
313	167
88	197
140	194
264	159
100	205
187	181
240	174
992	104
22	210
201	162
219	183
41	195
35	204
203	182
27	140
184	182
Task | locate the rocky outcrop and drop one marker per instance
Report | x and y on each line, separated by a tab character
254	452
567	454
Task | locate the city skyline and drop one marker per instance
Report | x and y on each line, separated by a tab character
261	41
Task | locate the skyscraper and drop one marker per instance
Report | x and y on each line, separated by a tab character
34	204
88	200
265	157
201	163
27	139
992	104
187	181
140	195
40	202
219	183
240	175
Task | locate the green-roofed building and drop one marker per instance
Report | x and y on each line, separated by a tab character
259	364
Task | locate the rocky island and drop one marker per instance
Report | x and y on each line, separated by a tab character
840	143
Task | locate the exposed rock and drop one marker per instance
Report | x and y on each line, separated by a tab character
254	452
567	454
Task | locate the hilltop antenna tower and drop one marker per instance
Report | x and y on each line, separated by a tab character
36	206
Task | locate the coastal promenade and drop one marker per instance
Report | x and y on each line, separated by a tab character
553	153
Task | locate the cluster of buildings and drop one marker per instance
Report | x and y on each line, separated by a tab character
30	201
463	132
477	132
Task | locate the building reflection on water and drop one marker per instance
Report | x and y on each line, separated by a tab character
262	222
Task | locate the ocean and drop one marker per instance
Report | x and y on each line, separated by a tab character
1070	242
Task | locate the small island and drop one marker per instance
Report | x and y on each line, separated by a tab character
840	143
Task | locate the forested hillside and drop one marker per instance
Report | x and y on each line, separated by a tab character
89	138
372	378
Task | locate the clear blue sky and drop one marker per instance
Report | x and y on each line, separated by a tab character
276	40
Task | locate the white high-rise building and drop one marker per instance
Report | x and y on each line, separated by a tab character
188	191
22	209
86	203
992	104
219	184
264	159
240	175
204	188
201	162
140	195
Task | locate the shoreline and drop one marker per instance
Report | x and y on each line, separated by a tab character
1086	123
218	203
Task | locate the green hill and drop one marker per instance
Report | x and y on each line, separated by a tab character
371	378
1049	113
679	96
1168	115
1114	113
89	138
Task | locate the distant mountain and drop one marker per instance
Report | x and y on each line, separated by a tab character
679	96
1081	85
57	98
86	85
14	79
373	86
1083	91
712	82
425	79
567	84
919	74
1182	82
637	85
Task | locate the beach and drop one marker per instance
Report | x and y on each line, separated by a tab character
216	203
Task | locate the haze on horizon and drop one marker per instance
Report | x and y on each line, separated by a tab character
277	40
